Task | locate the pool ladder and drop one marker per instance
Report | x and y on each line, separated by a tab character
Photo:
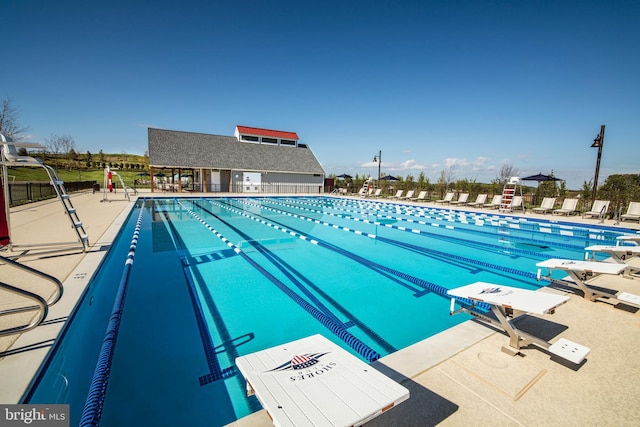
41	305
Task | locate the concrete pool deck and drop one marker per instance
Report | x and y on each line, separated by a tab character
460	376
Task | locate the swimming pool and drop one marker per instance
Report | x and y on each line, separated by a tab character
216	278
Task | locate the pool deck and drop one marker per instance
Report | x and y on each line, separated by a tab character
458	377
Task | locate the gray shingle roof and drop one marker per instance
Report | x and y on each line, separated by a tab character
169	148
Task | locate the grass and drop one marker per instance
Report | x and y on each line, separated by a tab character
36	174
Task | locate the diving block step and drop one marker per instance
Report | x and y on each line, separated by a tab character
569	350
631	298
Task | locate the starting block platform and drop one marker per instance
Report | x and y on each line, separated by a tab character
313	381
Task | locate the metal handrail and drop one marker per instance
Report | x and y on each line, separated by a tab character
36	321
59	290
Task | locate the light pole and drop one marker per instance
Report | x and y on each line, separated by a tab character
597	142
378	158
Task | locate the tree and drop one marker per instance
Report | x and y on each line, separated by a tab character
506	171
60	145
9	123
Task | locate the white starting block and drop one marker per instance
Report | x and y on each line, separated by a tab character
593	278
509	302
312	381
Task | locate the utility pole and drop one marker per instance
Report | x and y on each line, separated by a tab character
597	142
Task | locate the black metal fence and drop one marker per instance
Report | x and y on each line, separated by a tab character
21	193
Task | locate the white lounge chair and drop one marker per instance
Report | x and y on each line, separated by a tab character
422	196
598	210
397	195
568	207
495	202
633	212
480	200
547	204
462	199
516	203
408	196
447	198
375	194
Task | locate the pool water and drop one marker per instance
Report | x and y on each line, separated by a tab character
217	278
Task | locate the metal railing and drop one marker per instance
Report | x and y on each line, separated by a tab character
42	305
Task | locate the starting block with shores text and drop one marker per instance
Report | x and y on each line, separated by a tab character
312	381
508	304
594	279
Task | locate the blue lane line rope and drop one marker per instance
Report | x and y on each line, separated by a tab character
478	219
92	411
405	229
424	284
361	348
477	226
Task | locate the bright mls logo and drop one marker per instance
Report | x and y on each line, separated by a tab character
34	415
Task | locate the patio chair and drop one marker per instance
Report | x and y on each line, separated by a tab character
376	194
422	196
480	200
495	202
598	210
462	199
568	207
633	212
397	195
547	204
408	196
447	198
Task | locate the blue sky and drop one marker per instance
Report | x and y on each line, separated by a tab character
460	86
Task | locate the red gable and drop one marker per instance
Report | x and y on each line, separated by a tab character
245	130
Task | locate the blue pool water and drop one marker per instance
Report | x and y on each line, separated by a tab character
217	278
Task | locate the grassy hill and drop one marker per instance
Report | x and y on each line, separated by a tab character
84	168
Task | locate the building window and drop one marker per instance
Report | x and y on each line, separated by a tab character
302	145
249	138
269	140
287	142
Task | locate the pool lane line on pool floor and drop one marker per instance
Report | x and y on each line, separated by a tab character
93	406
426	285
496	248
337	329
290	272
468	225
521	223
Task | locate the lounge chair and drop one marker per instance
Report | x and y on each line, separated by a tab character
462	199
516	203
495	202
547	204
568	207
633	212
376	194
447	198
397	195
480	199
596	280
508	304
422	196
598	210
408	196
